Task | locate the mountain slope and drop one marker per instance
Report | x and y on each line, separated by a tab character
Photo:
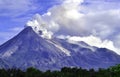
88	56
28	49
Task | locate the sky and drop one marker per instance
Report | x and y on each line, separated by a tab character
86	18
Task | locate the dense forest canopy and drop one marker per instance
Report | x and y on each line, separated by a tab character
113	71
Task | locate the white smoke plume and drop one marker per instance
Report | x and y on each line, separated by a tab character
69	19
57	16
39	26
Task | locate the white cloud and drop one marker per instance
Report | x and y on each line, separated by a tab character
63	15
71	18
68	16
93	41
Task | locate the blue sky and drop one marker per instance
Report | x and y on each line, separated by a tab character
14	14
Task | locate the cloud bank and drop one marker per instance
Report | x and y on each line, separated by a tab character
72	18
97	42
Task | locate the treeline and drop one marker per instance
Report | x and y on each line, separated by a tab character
64	72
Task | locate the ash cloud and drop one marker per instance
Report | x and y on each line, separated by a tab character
72	18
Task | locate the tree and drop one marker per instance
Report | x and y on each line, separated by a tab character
32	72
115	70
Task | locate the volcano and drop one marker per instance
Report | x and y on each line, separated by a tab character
28	49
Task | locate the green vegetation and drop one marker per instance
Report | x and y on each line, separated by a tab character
113	71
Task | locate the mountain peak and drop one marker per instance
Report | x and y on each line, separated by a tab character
39	26
28	49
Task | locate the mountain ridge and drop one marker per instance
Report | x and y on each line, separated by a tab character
28	49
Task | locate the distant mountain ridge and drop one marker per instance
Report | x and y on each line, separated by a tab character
28	49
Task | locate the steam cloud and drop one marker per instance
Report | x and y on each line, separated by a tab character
69	19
